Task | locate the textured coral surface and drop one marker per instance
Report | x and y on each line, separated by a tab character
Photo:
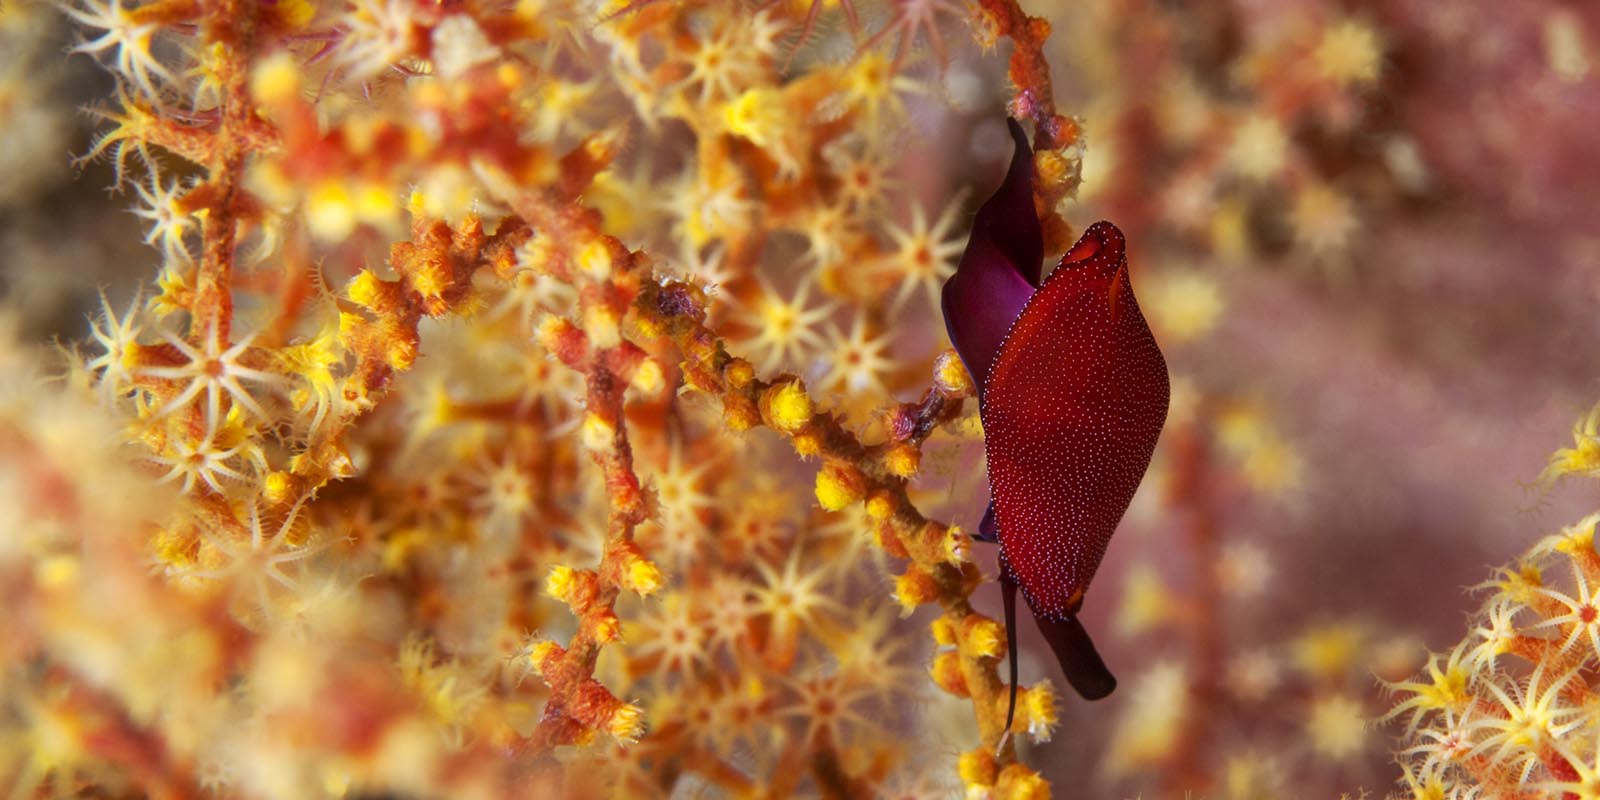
549	397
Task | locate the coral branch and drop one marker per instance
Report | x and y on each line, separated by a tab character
853	471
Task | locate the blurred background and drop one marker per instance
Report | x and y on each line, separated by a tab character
1365	235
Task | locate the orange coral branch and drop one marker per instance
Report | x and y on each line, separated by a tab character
677	310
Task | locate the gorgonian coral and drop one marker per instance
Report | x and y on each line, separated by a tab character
436	427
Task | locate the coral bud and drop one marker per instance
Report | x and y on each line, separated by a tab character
602	325
978	768
902	460
757	114
563	339
957	545
944	630
946	672
366	289
648	378
1054	168
739	373
880	505
276	80
598	433
330	210
951	376
561	582
607	628
786	406
626	723
913	589
641	577
739	413
277	487
1038	706
807	443
839	485
594	258
1020	783
982	637
542	655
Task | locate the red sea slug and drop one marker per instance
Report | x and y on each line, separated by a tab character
1072	391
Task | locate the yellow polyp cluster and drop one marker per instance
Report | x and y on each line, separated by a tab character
334	208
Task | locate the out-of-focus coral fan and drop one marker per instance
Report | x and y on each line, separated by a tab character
548	398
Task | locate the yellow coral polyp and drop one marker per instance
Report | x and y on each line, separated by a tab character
1021	783
331	211
983	637
839	486
607	627
276	80
277	487
807	443
626	723
957	545
649	378
947	675
602	326
951	376
541	653
1038	707
376	205
978	768
594	258
903	460
788	407
560	583
914	588
365	289
757	115
642	577
880	506
598	433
